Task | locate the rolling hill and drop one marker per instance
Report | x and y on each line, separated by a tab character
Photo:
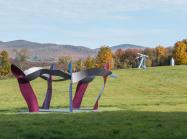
126	46
139	104
51	51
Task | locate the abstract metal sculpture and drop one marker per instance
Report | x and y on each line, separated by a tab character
142	58
172	62
83	78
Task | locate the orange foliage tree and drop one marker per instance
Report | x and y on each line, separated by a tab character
161	51
151	52
180	52
119	58
161	55
104	56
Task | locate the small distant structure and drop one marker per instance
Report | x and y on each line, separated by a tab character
142	58
172	62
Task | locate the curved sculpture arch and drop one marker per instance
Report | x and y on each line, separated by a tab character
83	84
26	89
83	78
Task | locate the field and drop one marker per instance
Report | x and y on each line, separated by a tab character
137	105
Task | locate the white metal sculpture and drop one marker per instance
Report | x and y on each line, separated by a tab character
172	62
142	58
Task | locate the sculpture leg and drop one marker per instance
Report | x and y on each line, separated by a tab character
101	92
80	90
26	89
70	69
141	62
47	101
144	64
98	97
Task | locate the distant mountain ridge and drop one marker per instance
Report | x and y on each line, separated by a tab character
51	51
126	46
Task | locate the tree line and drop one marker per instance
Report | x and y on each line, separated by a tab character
120	59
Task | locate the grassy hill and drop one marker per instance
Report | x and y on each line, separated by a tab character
46	51
138	104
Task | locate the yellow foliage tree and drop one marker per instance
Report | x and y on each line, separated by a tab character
180	52
4	63
161	51
161	55
89	62
104	56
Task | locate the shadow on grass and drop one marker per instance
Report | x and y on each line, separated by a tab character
4	111
118	124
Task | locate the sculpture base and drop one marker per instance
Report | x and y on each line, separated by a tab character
66	110
63	110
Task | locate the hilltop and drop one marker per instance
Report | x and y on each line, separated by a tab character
51	51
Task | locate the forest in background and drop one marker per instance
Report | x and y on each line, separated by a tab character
120	59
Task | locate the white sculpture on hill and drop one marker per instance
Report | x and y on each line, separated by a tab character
142	58
172	62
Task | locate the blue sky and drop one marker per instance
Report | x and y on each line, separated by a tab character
93	23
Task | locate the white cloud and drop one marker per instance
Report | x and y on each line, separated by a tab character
46	20
86	9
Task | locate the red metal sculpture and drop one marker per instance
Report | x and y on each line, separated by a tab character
83	78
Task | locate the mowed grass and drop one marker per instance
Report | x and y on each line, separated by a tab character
138	104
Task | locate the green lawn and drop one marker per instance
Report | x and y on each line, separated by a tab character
138	104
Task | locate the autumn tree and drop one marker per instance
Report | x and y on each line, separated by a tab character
64	61
126	58
130	57
161	55
78	65
104	56
4	63
89	62
180	52
158	56
151	53
119	58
